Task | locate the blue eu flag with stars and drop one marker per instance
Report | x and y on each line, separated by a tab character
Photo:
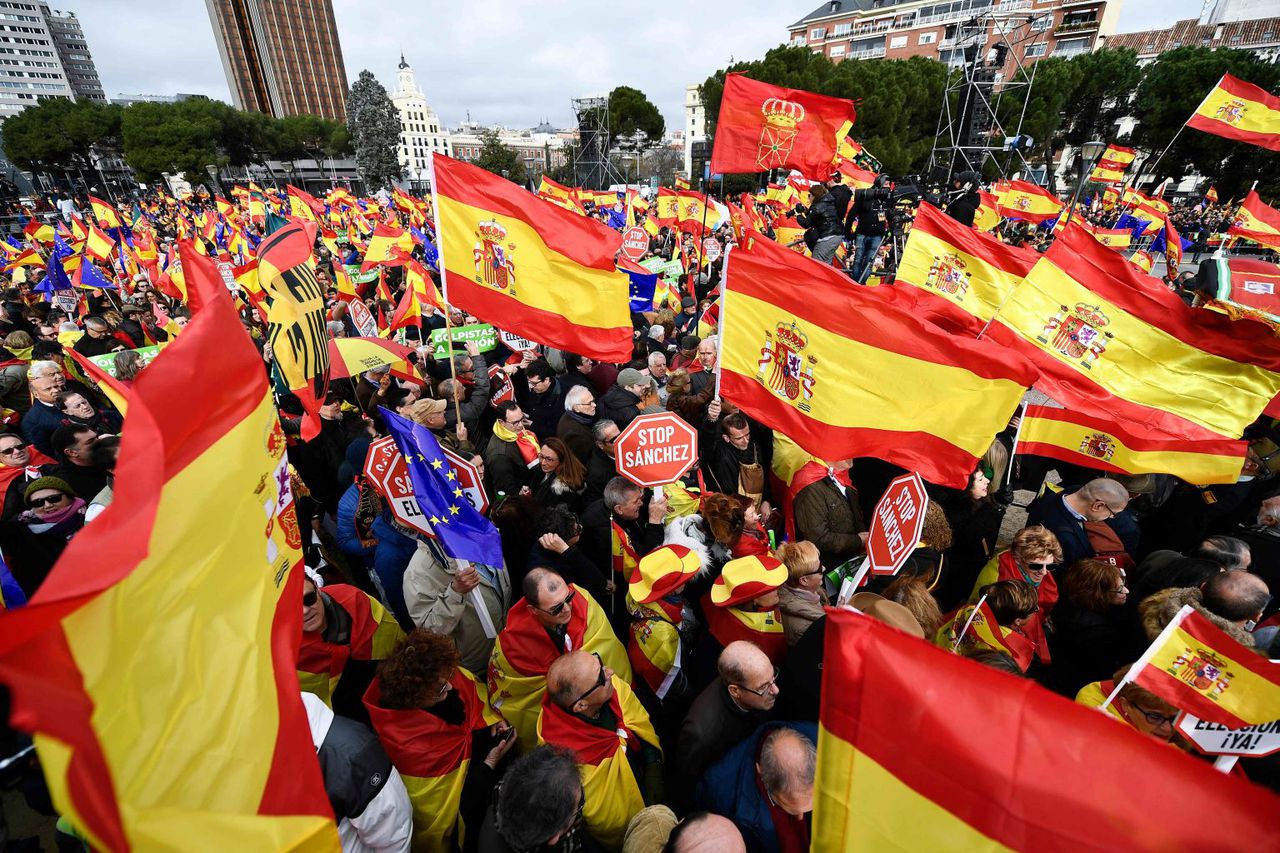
463	533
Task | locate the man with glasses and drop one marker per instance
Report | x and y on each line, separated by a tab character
47	382
543	402
552	619
601	467
574	427
19	461
472	390
97	338
729	709
591	711
512	452
1067	514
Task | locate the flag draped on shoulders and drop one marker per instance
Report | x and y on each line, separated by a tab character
762	127
898	773
510	258
372	635
844	372
1108	338
1241	111
155	665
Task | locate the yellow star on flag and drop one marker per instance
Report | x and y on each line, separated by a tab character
452	475
435	520
457	493
436	463
453	510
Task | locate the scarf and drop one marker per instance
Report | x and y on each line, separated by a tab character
585	420
525	441
51	523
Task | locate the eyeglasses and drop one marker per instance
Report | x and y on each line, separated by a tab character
12	449
559	608
548	458
1154	718
764	690
601	680
608	440
309	599
1043	567
444	688
49	500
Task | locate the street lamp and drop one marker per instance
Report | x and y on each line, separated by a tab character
1089	152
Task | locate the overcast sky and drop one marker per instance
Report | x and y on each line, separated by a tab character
510	62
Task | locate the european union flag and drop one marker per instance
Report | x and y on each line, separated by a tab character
643	286
88	275
1129	222
463	533
1158	244
56	277
61	249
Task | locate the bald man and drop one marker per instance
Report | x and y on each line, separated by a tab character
705	832
727	710
1066	514
590	710
1238	597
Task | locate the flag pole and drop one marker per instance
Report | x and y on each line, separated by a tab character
724	289
444	285
977	607
1017	435
1141	662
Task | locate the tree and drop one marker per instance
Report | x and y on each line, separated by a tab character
173	138
500	159
1172	89
631	111
58	134
375	132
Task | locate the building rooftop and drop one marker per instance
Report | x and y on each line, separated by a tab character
1237	34
846	7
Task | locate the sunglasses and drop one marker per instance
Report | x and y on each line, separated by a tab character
559	608
309	599
50	500
1043	567
601	679
12	449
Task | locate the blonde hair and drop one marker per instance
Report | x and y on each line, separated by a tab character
1035	541
799	558
912	593
997	458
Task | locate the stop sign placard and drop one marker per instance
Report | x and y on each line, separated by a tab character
711	249
385	469
656	449
635	242
896	524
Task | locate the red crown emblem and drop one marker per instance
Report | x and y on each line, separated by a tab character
1091	315
491	231
792	336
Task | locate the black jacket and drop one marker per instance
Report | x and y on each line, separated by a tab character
620	406
871	210
822	218
964	208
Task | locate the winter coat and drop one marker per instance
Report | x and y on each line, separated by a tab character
1157	611
713	725
504	463
830	520
549	490
620	406
435	605
799	610
1087	645
577	436
544	410
689	531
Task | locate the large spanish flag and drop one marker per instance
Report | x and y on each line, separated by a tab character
1199	668
961	276
155	664
846	372
1109	446
1022	200
510	258
762	127
920	749
1241	111
1108	338
1257	222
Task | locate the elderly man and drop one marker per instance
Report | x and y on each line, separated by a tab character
827	514
1066	514
705	832
47	382
658	370
588	709
539	805
552	619
729	709
620	507
19	461
574	427
97	338
621	403
601	467
341	624
471	390
708	354
431	414
765	786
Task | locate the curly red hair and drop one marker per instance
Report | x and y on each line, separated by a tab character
416	669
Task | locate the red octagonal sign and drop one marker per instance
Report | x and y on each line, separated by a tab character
656	449
635	242
896	524
385	469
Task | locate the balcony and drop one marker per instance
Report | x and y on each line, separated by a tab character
871	53
1069	27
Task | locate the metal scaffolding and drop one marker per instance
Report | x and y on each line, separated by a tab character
591	168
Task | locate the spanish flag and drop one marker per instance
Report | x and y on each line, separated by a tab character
1198	667
786	230
388	246
1113	238
1257	222
509	257
696	214
1241	111
1107	338
432	756
666	206
855	177
165	712
1109	446
844	372
610	790
1142	260
898	773
1112	165
762	127
524	652
110	387
961	276
372	634
974	628
681	183
104	213
349	357
1022	200
988	214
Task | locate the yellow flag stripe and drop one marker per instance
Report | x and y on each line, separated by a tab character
861	386
986	285
1255	118
1248	695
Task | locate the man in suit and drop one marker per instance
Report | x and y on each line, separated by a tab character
1066	514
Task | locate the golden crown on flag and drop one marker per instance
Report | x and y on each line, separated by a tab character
491	230
1091	314
792	336
782	113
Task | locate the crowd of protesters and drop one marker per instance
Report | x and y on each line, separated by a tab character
654	680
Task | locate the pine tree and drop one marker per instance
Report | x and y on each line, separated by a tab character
375	132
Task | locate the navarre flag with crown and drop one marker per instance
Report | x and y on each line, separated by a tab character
510	258
1241	111
762	127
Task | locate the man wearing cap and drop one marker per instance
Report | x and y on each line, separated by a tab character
743	604
591	711
552	618
621	403
655	646
687	319
725	712
827	514
431	414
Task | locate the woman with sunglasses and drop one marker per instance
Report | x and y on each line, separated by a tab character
1034	556
34	541
802	598
435	723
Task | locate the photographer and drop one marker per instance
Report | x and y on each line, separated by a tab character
871	210
824	231
965	200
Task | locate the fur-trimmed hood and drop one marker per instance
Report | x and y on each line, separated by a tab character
689	531
1157	611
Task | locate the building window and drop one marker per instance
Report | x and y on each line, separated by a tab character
1037	49
898	41
798	41
818	32
927	38
841	30
1042	23
837	50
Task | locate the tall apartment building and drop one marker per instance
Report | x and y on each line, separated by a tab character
420	128
73	52
897	29
281	57
30	67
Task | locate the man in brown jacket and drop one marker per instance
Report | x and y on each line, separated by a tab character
827	515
